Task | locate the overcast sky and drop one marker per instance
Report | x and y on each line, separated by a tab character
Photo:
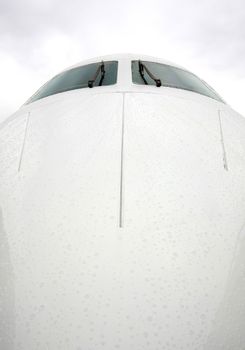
40	38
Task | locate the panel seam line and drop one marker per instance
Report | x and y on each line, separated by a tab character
24	142
122	165
225	163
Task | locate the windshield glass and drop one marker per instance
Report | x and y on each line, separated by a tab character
170	77
78	78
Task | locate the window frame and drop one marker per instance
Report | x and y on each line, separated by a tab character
32	100
219	98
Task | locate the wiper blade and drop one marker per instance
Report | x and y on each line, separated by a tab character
142	68
101	70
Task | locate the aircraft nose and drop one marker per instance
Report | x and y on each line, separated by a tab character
124	227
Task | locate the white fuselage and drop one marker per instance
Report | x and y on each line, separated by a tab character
121	225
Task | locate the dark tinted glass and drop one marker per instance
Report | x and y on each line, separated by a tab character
172	77
77	78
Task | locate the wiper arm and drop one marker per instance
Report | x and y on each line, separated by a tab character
142	68
100	69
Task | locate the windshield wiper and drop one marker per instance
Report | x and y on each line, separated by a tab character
101	70
142	68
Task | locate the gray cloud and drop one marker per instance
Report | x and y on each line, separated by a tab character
213	29
41	36
26	24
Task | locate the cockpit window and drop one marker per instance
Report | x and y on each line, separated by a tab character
158	74
88	76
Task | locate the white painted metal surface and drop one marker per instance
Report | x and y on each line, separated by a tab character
122	221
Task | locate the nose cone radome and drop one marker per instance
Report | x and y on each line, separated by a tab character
123	223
